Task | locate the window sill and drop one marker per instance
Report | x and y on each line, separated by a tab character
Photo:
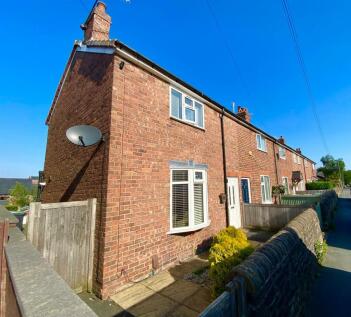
189	229
267	202
264	151
187	123
282	158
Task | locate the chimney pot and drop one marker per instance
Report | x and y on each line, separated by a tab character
281	140
244	113
298	150
97	26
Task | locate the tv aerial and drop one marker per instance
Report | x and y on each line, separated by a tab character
84	135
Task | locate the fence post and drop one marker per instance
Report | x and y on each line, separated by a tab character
33	213
4	226
92	211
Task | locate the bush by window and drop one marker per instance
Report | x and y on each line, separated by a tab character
319	185
229	248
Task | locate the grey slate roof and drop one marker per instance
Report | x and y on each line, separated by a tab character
7	183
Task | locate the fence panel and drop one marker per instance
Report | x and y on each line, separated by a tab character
300	199
4	227
64	234
273	217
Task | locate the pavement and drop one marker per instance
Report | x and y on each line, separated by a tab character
331	293
165	294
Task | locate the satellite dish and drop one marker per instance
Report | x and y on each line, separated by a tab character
84	135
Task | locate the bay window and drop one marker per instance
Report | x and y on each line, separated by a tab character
188	200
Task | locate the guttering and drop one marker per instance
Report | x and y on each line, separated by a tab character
79	46
225	179
131	55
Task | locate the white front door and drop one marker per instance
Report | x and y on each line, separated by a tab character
234	202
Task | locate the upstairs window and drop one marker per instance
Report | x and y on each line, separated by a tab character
298	160
188	200
186	108
294	158
282	153
266	190
313	167
261	143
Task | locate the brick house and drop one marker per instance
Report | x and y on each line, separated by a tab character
159	181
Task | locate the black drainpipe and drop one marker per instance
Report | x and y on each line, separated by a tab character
224	169
275	164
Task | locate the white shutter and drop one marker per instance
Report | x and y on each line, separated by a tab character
180	199
198	203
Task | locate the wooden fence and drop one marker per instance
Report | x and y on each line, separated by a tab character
300	199
271	217
4	227
64	234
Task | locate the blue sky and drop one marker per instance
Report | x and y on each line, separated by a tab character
37	37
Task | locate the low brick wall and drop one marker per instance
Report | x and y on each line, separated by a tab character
279	274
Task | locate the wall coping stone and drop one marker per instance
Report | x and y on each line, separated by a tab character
39	290
5	214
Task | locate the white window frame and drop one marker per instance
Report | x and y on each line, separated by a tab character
270	189
190	182
298	159
184	106
281	149
248	182
294	158
313	167
259	143
287	180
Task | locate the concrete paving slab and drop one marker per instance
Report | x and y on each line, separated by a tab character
180	290
199	300
132	296
159	281
183	311
154	306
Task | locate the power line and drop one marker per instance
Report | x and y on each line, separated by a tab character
302	64
228	47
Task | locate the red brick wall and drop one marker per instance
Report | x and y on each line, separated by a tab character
73	172
138	206
131	107
253	163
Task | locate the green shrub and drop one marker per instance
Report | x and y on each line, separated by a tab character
229	248
320	247
319	185
11	208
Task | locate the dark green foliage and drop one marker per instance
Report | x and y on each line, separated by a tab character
11	208
347	177
319	185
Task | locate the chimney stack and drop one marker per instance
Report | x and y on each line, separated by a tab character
244	114
97	25
298	150
281	140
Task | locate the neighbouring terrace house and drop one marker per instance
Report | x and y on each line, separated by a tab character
170	157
